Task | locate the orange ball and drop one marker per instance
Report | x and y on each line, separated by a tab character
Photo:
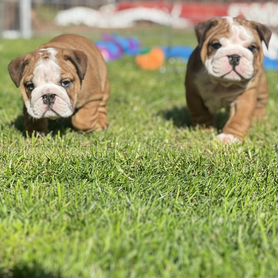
151	61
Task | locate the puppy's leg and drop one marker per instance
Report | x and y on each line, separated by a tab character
260	110
240	120
199	112
262	99
34	126
93	115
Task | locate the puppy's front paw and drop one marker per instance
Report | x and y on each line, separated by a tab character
228	138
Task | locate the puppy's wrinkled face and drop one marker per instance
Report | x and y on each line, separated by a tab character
231	48
49	82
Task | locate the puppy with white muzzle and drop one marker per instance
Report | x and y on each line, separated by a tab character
226	70
66	77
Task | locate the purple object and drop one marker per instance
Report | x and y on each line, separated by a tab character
113	47
109	51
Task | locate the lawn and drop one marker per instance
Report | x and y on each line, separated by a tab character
149	197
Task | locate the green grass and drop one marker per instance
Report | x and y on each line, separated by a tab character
149	197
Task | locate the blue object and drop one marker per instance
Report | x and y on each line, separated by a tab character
181	52
270	64
110	50
130	46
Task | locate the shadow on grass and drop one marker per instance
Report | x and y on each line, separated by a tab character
34	270
221	119
59	126
180	116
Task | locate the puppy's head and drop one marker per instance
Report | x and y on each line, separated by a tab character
231	48
49	80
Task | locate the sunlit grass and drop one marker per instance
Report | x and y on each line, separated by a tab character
149	197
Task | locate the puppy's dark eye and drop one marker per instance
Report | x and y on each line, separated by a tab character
65	83
30	86
253	48
216	45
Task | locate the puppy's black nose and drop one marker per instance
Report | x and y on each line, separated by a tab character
48	99
234	60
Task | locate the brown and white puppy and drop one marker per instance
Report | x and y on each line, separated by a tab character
67	77
226	70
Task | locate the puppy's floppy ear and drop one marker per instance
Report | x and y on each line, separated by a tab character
78	59
16	68
263	31
202	28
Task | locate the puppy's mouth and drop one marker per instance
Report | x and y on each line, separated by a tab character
235	71
242	78
51	114
58	109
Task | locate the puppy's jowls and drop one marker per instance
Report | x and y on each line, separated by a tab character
66	77
226	70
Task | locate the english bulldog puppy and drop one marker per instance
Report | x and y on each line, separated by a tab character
226	70
66	77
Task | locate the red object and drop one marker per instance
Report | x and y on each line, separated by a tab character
194	12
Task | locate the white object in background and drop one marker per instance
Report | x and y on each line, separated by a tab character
266	13
272	51
109	18
25	18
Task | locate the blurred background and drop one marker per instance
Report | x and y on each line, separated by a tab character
28	18
151	23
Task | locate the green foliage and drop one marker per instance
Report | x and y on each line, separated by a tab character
150	197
